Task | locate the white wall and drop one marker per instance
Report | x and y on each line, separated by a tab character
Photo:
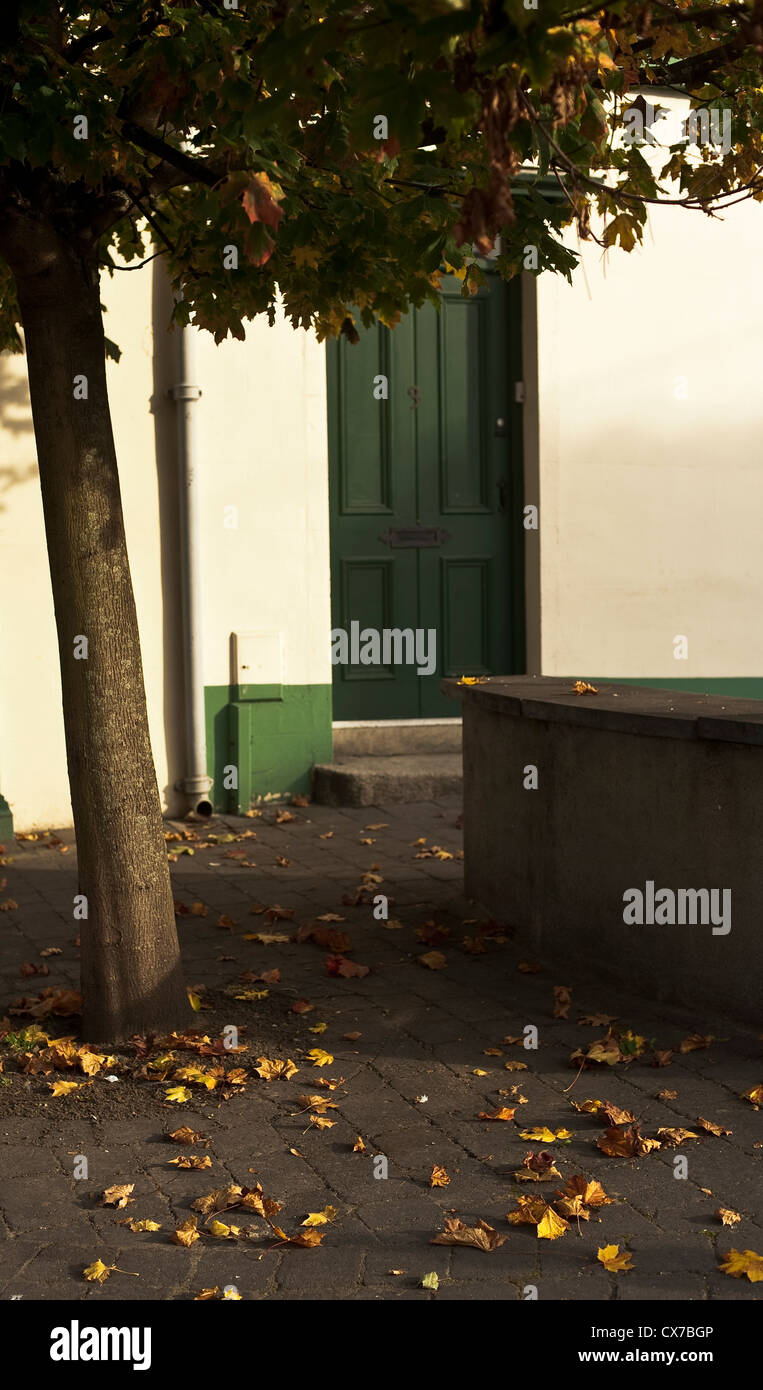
262	422
651	505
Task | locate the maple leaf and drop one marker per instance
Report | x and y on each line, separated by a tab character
117	1196
573	1208
597	1020
347	969
220	1231
206	1294
667	1095
585	687
591	1191
662	1058
192	1161
626	1142
178	1094
186	1135
727	1216
306	1239
515	1066
741	1263
551	1225
674	1137
562	1001
320	1218
438	1177
270	1070
754	1095
301	1006
613	1260
63	1088
220	1199
98	1272
359	1147
138	1226
503	1112
537	1168
695	1041
543	1135
319	1058
480	1237
527	1212
433	960
186	1234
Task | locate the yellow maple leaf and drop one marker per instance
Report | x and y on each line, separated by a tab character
320	1218
187	1233
728	1217
515	1066
319	1058
438	1177
62	1088
741	1263
319	1028
220	1231
754	1095
543	1135
306	255
97	1271
613	1260
138	1226
178	1094
270	1070
551	1226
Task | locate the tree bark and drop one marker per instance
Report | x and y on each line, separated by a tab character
132	979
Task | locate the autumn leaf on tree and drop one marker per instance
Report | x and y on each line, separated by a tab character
742	1264
613	1260
479	1237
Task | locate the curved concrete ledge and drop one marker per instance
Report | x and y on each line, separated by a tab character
578	807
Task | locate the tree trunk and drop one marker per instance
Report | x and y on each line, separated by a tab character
132	979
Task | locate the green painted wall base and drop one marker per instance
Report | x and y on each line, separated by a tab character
272	735
743	687
6	820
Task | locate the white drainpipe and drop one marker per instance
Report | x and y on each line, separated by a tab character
195	784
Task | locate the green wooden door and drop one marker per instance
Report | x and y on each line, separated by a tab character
425	498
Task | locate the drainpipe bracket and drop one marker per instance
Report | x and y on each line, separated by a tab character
185	392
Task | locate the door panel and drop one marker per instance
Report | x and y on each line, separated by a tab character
442	453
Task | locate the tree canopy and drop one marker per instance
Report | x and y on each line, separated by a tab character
346	151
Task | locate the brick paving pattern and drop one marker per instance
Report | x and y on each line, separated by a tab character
423	1033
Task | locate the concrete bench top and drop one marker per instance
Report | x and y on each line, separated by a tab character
634	709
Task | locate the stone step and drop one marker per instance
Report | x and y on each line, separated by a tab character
385	737
377	781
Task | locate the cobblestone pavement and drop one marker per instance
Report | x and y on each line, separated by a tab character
415	1080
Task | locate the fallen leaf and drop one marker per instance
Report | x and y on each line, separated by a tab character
117	1196
438	1177
319	1058
431	1281
754	1095
178	1094
185	1135
695	1041
433	960
543	1135
320	1218
193	1161
613	1260
515	1066
674	1137
301	1006
271	1069
138	1226
186	1234
359	1146
741	1263
480	1237
551	1226
626	1142
727	1217
591	1191
667	1095
501	1113
562	1001
712	1128
307	1240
